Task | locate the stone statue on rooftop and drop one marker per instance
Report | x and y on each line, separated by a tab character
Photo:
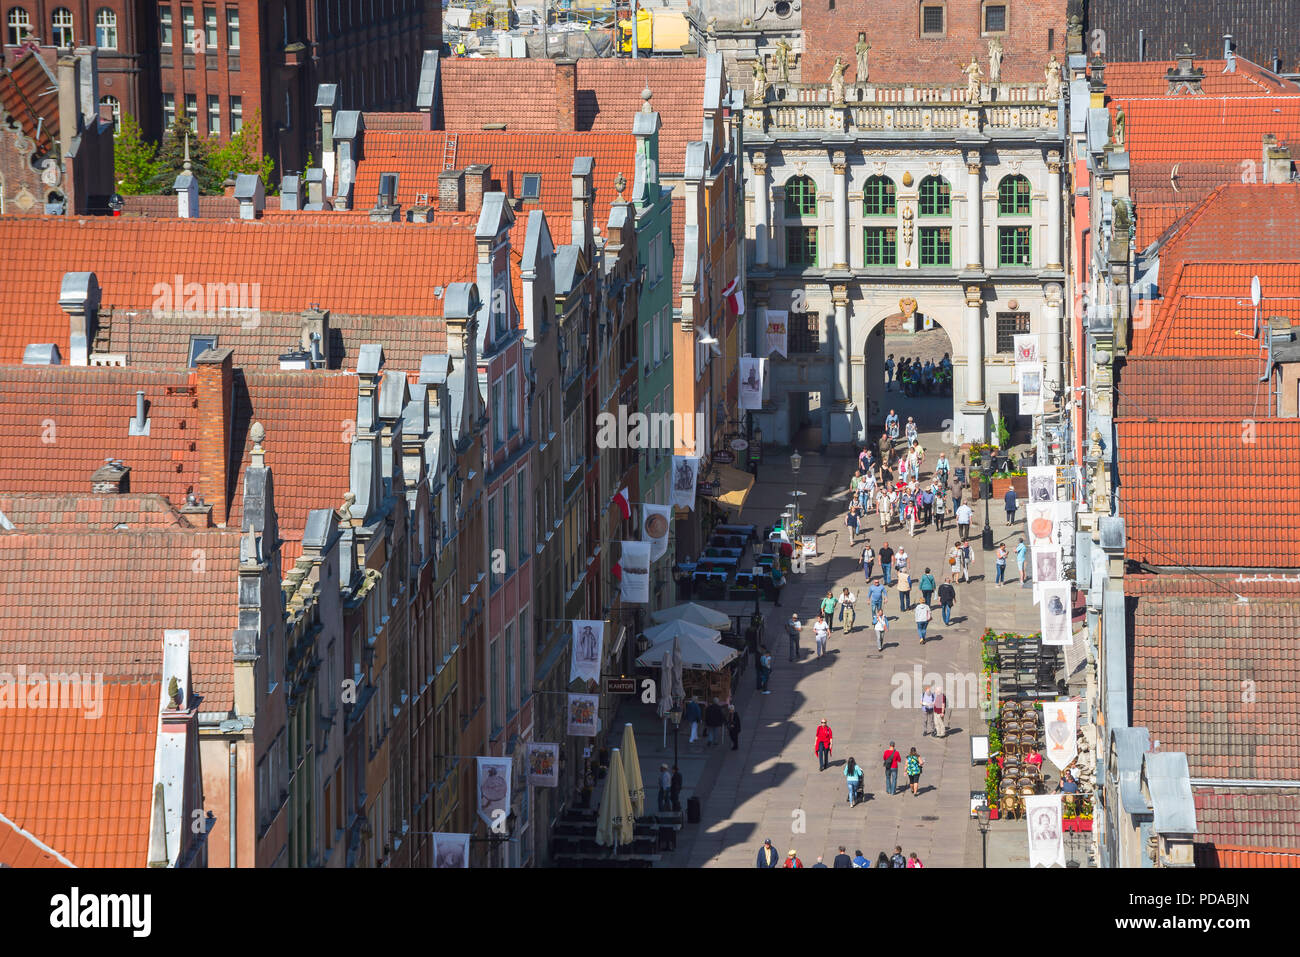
860	50
1120	122
760	82
837	81
783	60
973	76
1053	75
995	60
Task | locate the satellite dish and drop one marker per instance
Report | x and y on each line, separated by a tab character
1254	298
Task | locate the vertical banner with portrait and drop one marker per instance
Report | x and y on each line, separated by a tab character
777	332
544	765
1042	483
1054	613
450	850
582	715
1026	349
635	563
1061	726
751	382
1046	834
588	639
494	789
1040	523
655	522
685	471
1031	388
1047	563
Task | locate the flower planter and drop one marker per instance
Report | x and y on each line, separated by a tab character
1020	483
1077	823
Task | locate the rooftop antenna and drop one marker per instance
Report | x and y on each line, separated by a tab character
1254	299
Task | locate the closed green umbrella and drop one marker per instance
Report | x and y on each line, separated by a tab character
614	825
632	768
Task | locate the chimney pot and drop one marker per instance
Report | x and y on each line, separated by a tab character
566	95
111	478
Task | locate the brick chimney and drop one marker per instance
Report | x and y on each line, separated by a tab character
451	190
1277	161
477	183
111	478
214	372
566	95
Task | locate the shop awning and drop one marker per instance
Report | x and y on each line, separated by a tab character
733	486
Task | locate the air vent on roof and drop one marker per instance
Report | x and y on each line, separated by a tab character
140	422
44	354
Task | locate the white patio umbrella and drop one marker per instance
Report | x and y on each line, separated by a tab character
614	825
696	654
660	634
696	614
632	766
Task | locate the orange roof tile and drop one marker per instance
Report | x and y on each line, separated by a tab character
62	767
1148	386
288	262
1249	821
417	158
1172	129
99	601
29	512
29	97
1170	465
1226	855
21	849
1147	79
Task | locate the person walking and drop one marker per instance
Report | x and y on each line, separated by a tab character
877	593
947	598
891	426
821	631
909	515
853	775
940	712
767	856
889	373
764	670
675	790
822	747
847	605
881	625
898	860
923	616
940	508
882	860
693	714
828	605
792	860
964	514
1009	503
778	583
793	627
913	860
1001	564
927	710
868	561
927	586
900	560
853	520
665	789
842	859
820	863
1022	554
860	860
915	763
892	760
733	726
714	720
887	563
911	431
904	591
967	559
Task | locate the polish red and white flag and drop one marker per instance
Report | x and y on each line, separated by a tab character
735	297
622	500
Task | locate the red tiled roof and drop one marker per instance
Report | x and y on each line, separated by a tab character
1201	667
394	121
418	157
288	263
28	512
1148	79
1240	223
79	783
608	93
1228	855
20	849
1180	386
1210	492
210	207
309	422
58	424
1261	820
100	601
29	97
1172	129
1165	192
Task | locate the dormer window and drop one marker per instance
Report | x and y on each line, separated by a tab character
532	186
200	345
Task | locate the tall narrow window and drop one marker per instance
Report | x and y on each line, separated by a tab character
878	197
507	524
214	115
801	246
187	27
936	197
20	26
936	245
106	29
169	109
511	402
510	667
115	105
236	114
232	28
525	652
498	719
498	415
521	483
61	22
932	20
800	197
1013	196
210	29
995	18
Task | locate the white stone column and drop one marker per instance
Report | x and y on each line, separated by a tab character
974	346
843	351
1053	374
1053	210
974	214
761	228
840	193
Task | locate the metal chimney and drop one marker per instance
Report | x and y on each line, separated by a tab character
139	424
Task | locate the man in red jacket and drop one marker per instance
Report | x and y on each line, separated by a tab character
793	860
823	746
892	759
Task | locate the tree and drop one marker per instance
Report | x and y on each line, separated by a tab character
135	159
171	159
243	153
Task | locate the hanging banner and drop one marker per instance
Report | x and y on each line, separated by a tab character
1047	563
1046	835
1040	522
1054	613
635	561
588	638
1031	388
1042	483
494	788
1063	516
777	332
544	765
655	521
685	471
1026	349
582	715
450	850
751	383
1061	722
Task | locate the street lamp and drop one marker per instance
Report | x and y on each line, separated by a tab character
987	482
675	716
983	814
795	461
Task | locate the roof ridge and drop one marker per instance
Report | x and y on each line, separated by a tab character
32	838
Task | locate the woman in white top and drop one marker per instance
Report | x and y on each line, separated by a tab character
900	560
881	626
882	508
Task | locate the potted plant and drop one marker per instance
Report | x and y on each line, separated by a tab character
1006	479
